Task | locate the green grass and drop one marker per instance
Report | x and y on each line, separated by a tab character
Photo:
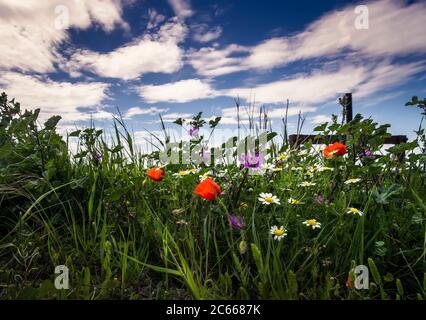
123	236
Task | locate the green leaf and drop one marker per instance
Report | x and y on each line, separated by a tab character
117	149
257	256
75	133
321	127
292	284
403	147
374	271
382	195
51	123
399	287
388	277
215	122
179	121
271	135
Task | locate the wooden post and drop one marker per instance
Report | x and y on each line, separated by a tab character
348	107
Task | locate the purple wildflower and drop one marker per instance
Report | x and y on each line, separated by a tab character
97	156
321	200
367	153
250	161
206	155
237	223
193	132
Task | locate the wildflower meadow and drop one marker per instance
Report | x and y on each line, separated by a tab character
253	218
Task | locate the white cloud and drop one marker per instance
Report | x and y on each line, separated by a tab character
268	54
229	115
232	120
180	91
29	33
154	18
170	117
154	52
325	85
316	87
130	61
312	88
56	98
174	30
279	113
212	62
386	75
395	29
319	118
202	32
135	111
182	8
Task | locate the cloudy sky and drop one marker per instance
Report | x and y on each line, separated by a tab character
82	59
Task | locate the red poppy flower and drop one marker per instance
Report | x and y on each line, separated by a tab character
334	150
348	282
156	173
207	189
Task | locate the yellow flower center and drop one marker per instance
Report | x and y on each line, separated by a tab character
354	210
243	205
333	152
312	222
268	199
182	173
279	232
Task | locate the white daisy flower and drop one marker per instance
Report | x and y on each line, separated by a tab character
294	201
268	166
313	223
268	198
352	181
283	156
278	233
181	173
307	184
322	169
309	173
220	173
303	153
313	168
355	211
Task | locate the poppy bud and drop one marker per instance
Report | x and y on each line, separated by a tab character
156	173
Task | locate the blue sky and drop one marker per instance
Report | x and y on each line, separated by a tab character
83	59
